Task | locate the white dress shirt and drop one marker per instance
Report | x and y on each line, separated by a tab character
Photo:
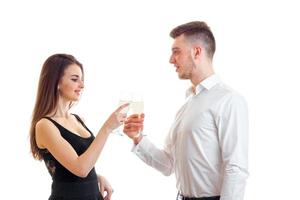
207	146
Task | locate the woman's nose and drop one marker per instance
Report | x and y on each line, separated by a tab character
82	84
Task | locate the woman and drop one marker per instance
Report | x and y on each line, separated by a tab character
61	139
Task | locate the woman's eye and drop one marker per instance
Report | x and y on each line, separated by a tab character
74	80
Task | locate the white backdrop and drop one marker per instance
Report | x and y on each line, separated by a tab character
124	45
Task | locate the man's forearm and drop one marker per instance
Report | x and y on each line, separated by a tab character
234	183
153	156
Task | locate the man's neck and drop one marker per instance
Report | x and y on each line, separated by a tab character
199	77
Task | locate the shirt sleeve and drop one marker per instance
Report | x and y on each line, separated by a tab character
159	159
232	123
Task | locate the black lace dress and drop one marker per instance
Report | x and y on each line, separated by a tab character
65	185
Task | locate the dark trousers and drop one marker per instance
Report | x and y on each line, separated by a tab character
181	197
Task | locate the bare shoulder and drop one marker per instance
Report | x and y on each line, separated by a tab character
44	124
45	130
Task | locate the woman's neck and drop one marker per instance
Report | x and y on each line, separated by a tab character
62	109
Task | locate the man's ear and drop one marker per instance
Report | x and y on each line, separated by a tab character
197	51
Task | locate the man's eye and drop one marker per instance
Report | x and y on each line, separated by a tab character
74	80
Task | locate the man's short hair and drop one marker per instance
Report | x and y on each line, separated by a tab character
195	31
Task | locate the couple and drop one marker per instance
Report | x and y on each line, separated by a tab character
206	147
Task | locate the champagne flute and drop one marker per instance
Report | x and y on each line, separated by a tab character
137	105
125	97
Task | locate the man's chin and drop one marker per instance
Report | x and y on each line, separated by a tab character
182	77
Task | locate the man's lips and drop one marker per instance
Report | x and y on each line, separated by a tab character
78	92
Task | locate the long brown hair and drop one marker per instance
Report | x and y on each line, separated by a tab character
47	93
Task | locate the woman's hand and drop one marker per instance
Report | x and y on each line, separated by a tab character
105	187
116	118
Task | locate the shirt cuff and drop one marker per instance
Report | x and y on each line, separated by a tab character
141	146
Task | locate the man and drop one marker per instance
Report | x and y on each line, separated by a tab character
207	146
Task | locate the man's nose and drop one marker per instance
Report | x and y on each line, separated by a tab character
171	60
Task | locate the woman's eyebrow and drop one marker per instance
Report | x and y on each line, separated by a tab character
75	75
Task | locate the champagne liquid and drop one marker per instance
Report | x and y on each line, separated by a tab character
137	107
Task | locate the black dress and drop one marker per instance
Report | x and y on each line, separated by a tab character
66	185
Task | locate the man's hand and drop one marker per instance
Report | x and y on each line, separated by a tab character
133	126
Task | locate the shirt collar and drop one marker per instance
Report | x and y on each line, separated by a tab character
207	84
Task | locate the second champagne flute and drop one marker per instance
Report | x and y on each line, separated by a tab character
137	105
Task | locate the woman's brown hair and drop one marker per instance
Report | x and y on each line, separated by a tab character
47	93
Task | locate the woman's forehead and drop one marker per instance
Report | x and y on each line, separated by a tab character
73	69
